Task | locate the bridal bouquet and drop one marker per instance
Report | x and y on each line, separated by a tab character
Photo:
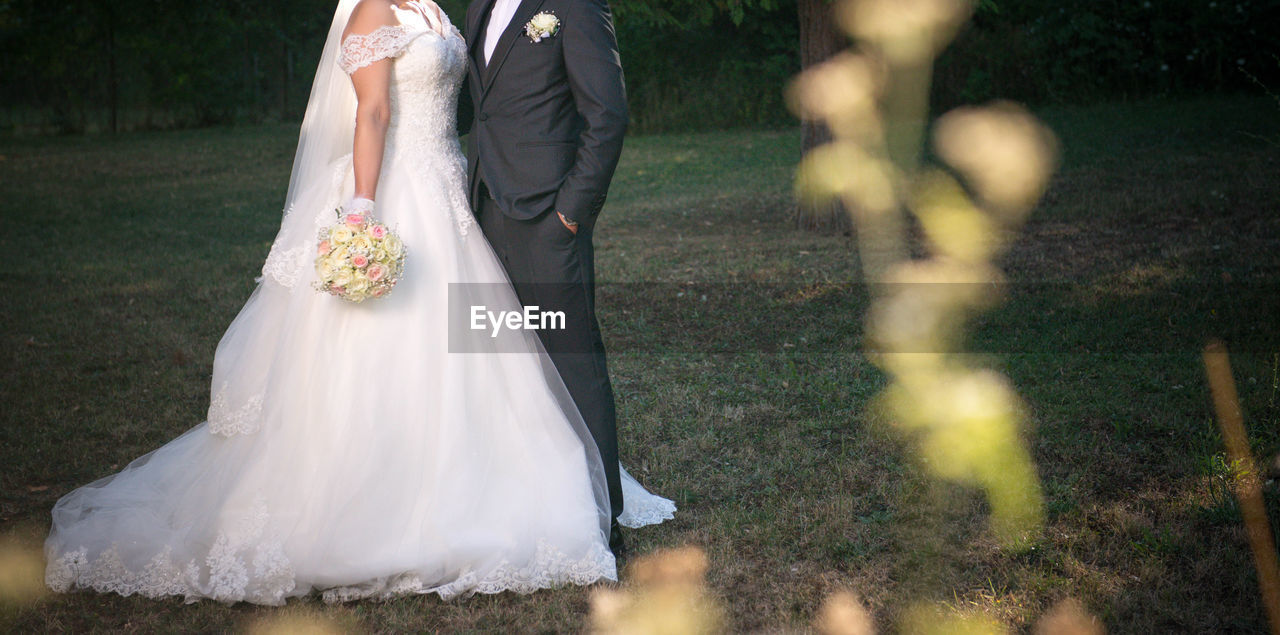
358	258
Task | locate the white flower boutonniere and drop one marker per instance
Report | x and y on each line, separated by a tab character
543	25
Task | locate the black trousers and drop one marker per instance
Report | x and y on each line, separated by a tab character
553	269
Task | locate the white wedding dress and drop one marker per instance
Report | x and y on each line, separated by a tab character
346	450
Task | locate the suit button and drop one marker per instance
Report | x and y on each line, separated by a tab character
484	116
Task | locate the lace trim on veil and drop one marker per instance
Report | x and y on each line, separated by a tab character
246	563
290	255
228	421
549	568
640	508
650	512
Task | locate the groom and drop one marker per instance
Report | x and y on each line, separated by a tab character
549	112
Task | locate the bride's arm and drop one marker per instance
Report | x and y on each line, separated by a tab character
373	96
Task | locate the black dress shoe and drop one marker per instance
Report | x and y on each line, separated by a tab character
616	544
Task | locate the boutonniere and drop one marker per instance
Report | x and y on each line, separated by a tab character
543	25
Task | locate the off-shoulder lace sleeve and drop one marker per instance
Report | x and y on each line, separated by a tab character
359	51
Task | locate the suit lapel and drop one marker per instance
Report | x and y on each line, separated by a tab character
513	32
476	13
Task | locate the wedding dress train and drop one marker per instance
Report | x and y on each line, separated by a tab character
346	450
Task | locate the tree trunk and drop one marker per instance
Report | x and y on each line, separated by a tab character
248	85
820	38
113	80
282	32
284	78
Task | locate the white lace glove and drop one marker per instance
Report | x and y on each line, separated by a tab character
358	205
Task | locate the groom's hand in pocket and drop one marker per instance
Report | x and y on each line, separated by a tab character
568	224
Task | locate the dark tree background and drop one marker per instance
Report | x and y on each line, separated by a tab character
81	65
90	66
819	40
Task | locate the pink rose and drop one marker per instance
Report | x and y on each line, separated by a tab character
376	272
325	248
378	231
355	220
339	290
360	261
377	293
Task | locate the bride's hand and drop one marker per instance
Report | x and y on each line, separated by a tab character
358	205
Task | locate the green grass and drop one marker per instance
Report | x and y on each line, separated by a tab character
127	257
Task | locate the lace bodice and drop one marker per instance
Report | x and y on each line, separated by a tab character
424	91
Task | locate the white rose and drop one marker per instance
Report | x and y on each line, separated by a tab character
546	23
393	246
340	234
361	242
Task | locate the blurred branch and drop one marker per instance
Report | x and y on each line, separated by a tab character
1248	481
965	421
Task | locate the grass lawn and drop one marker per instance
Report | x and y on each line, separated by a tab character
736	355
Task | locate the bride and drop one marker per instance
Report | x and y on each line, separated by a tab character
347	450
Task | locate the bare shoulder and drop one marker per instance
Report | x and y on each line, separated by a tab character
369	15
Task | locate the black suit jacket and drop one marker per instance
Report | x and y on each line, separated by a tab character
548	117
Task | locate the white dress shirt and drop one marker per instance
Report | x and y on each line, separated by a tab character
499	18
